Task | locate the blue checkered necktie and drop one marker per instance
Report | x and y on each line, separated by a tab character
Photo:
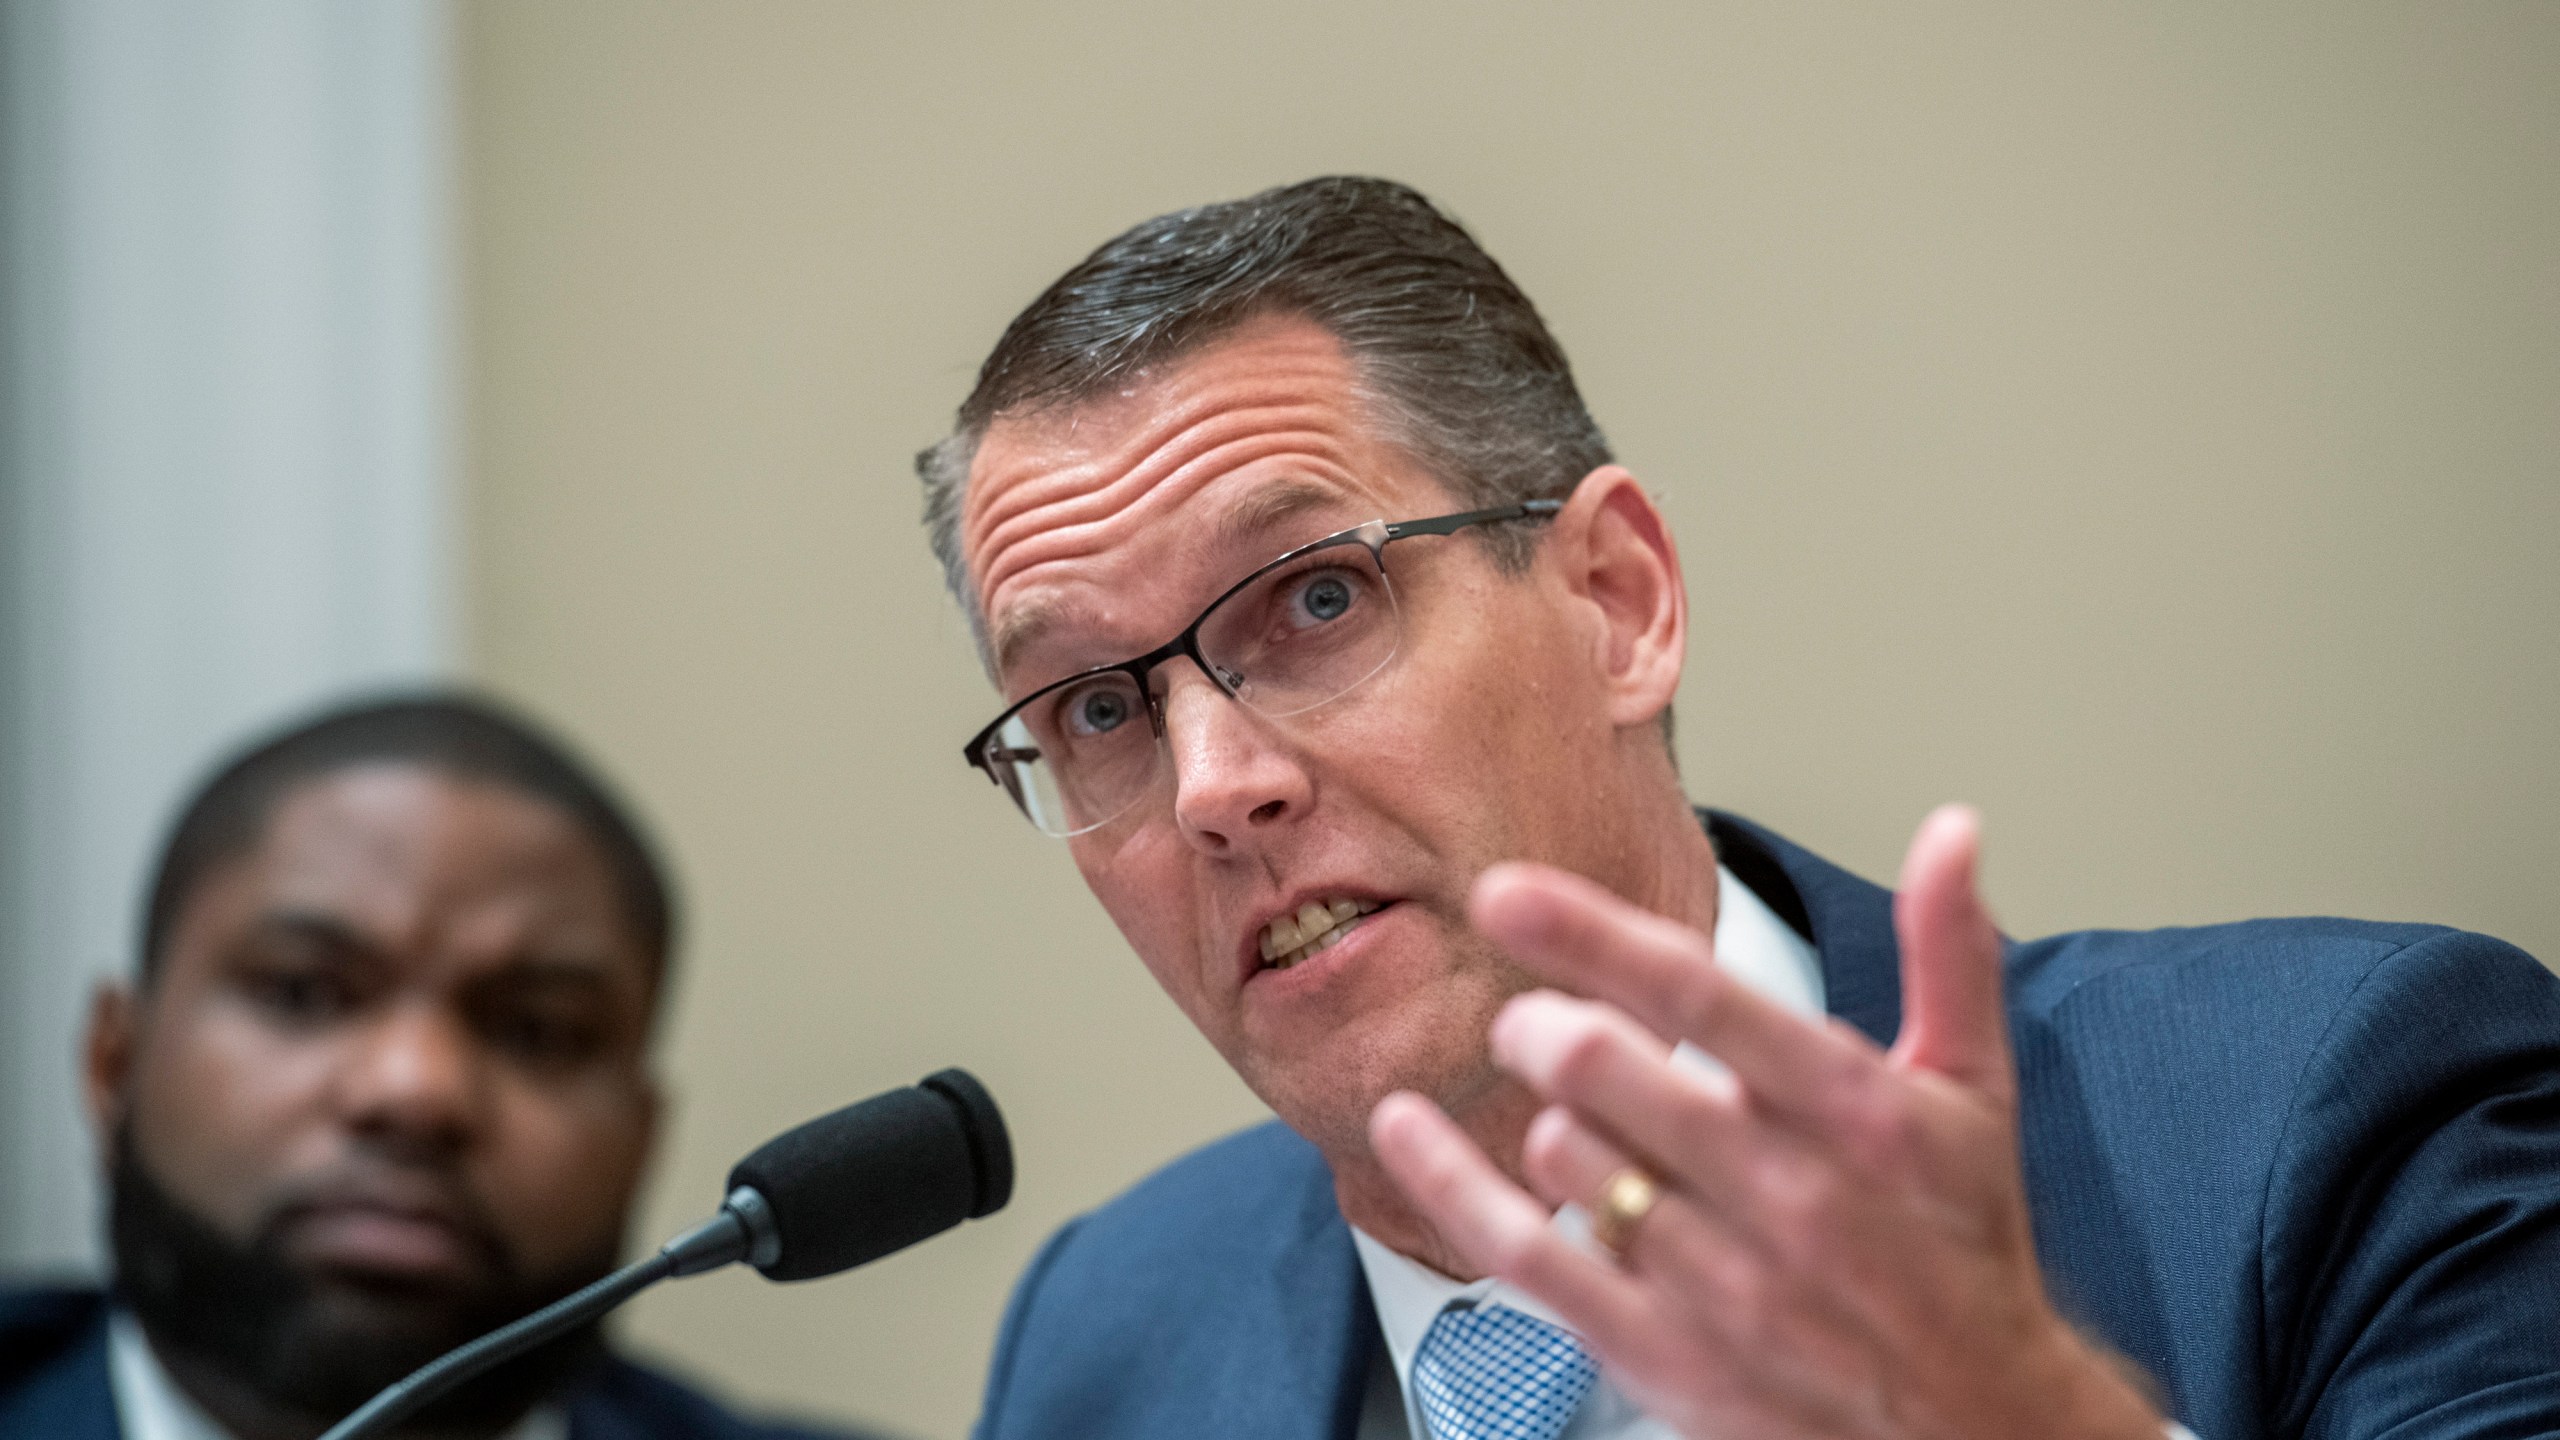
1489	1372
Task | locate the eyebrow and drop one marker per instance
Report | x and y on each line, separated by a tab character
575	967
1022	625
586	974
317	925
1267	507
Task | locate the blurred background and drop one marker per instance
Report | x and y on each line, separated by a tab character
2140	420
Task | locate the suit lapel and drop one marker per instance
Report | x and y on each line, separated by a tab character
1310	1308
1849	920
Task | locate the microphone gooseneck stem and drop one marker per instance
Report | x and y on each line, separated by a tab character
723	1239
431	1380
850	1186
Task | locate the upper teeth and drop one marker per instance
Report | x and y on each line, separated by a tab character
1317	925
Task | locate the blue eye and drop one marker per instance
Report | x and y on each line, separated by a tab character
1098	712
1324	598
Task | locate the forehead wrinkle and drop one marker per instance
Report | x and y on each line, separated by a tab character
1063	522
1084	485
1067	447
1164	479
1171	405
1024	621
1054	486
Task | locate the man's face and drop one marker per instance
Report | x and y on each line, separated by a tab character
392	1068
1098	533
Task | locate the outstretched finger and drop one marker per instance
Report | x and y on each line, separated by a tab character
1497	1228
1953	1022
1693	1125
1664	973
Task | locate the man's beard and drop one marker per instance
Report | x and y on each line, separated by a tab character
247	1312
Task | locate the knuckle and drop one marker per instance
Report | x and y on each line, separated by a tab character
1584	1059
1445	1182
1530	1262
1743	1282
1845	1095
1701	1125
1548	1152
1511	1254
1879	1132
1696	999
1748	1300
1799	1209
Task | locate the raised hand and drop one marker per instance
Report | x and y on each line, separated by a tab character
1840	1243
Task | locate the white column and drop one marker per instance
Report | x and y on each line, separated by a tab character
229	451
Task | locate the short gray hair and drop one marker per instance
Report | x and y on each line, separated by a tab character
1452	357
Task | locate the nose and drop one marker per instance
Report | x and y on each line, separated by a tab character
1233	781
410	1082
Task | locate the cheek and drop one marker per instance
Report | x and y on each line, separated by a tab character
225	1111
1525	682
1503	718
1435	751
1143	876
562	1162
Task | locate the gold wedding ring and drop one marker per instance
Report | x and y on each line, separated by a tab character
1625	1200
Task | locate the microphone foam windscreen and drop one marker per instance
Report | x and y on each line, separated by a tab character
878	1175
988	1142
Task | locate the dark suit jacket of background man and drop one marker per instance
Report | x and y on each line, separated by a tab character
2305	1172
54	1385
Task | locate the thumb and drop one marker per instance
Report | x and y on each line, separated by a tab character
1953	1021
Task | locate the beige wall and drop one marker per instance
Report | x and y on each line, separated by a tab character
2139	421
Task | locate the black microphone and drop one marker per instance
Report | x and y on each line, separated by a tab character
839	1191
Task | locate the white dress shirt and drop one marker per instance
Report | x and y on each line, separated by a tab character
150	1406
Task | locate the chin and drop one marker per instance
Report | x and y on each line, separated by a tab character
1326	1094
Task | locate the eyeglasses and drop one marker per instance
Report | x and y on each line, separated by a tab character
1305	629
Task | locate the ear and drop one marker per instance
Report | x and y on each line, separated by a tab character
1617	554
106	1058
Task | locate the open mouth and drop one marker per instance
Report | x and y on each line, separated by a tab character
1316	925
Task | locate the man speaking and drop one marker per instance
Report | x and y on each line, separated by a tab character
1341	656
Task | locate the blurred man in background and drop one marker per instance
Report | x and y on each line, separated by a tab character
381	1085
1318	602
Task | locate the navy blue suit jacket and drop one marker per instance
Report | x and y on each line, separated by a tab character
2305	1172
54	1385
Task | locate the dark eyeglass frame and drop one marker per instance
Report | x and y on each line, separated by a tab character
982	752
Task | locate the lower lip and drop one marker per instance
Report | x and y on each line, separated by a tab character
382	1242
1332	957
